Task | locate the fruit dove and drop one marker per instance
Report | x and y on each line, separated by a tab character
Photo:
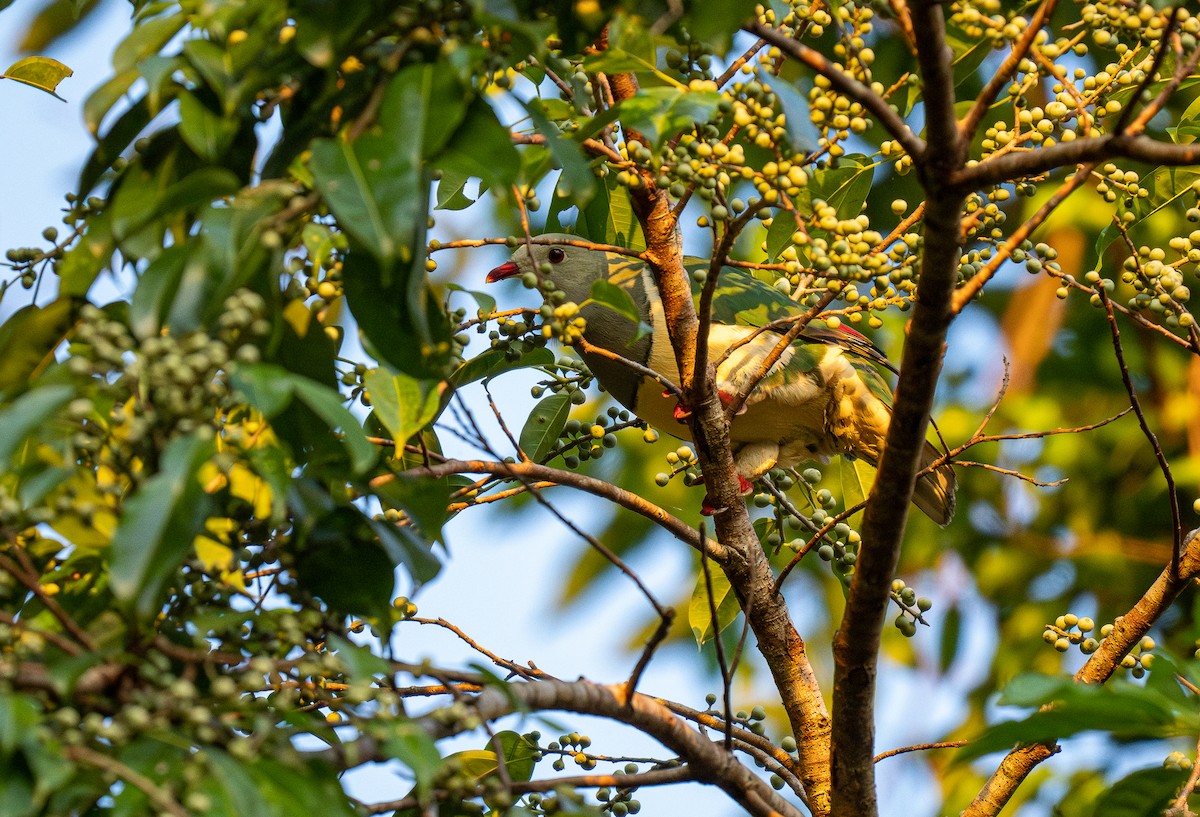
822	397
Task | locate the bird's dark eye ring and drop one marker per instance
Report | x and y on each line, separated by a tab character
556	255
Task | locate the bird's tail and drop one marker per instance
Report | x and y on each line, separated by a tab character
934	492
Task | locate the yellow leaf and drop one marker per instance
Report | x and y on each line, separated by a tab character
211	477
213	554
245	484
216	555
40	72
298	317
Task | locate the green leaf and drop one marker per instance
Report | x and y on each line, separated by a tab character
450	194
715	21
341	561
481	148
577	183
373	192
18	717
404	404
618	300
700	611
147	39
844	185
411	745
55	20
540	433
609	217
28	338
43	73
27	413
327	404
802	133
423	500
408	328
857	478
480	764
159	525
127	128
619	61
950	638
494	362
361	663
270	388
1144	793
1126	711
485	302
779	236
662	113
155	292
408	549
207	133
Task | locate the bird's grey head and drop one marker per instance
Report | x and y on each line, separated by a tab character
572	269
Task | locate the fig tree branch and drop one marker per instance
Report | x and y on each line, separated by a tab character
856	644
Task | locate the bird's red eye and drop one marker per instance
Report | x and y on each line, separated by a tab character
556	255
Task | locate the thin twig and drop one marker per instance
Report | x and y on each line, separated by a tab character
921	747
156	794
27	575
1180	806
1176	520
718	645
511	666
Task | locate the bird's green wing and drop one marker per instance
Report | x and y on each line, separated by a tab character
740	297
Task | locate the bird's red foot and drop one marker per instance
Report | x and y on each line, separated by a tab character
707	508
681	412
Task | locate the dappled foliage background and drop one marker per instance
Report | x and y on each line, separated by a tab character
267	282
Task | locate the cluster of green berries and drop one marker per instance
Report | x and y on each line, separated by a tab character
1123	25
571	746
1071	630
1178	761
589	441
787	744
692	63
564	800
754	720
682	461
803	17
23	259
621	801
568	376
912	607
79	210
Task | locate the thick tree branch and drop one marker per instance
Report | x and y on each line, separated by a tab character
708	761
1012	166
856	644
